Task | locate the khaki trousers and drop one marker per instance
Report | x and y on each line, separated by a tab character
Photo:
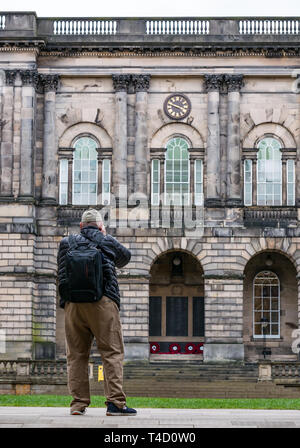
83	322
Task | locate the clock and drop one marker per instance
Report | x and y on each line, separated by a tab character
177	106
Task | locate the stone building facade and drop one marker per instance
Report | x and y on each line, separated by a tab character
186	134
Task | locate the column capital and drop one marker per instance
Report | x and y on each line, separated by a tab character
49	82
121	82
10	76
29	77
234	83
141	82
213	83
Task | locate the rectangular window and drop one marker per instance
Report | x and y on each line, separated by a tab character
248	182
106	181
198	173
290	182
63	181
266	306
155	182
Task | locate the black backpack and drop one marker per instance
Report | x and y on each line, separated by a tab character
84	271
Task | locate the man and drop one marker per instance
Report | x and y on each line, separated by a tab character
100	319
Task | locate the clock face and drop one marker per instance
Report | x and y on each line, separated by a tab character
177	107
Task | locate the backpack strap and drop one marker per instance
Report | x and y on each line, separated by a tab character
91	243
72	242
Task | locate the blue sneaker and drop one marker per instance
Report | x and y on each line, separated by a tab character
112	409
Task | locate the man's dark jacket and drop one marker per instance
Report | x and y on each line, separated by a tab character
114	254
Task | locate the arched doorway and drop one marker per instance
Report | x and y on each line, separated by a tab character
270	307
176	307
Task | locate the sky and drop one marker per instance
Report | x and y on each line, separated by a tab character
155	8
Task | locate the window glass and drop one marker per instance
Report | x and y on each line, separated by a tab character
290	178
177	168
105	181
248	182
155	182
63	182
198	193
85	172
266	304
269	172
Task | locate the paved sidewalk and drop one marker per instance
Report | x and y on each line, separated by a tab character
35	417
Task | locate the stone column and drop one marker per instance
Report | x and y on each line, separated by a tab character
141	164
29	82
213	187
6	192
120	83
49	178
233	178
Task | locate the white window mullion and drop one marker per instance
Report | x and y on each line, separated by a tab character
248	182
198	182
290	182
106	175
155	182
63	181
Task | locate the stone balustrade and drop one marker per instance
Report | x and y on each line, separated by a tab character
244	28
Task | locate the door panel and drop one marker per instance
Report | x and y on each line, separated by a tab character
198	316
177	316
155	316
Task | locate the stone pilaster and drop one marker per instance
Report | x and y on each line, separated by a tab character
120	83
6	192
49	179
29	82
234	187
213	190
223	318
141	165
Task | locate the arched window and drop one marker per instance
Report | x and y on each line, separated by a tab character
85	171
177	172
266	305
269	172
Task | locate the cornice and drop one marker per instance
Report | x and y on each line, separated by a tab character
30	46
141	51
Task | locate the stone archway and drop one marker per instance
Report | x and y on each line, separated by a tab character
270	292
176	306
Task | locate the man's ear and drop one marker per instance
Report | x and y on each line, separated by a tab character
81	225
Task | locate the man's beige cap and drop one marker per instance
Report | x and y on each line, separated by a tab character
91	215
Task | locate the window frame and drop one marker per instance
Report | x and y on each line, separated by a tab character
286	155
267	336
155	159
246	183
189	174
293	183
265	173
68	153
201	202
105	195
81	182
64	182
